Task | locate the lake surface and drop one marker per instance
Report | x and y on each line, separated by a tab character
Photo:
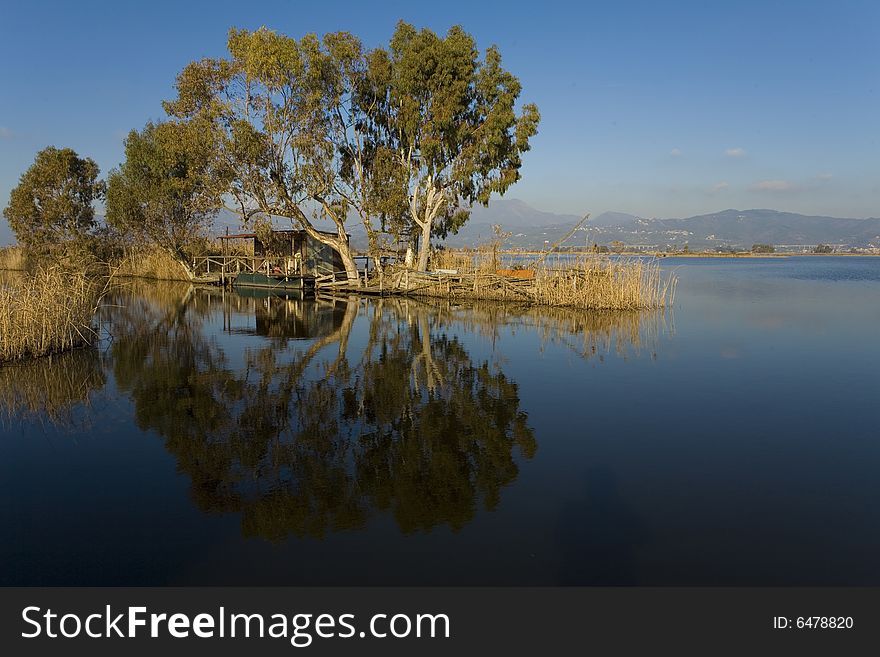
218	438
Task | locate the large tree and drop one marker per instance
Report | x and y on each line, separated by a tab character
450	119
53	202
277	105
166	191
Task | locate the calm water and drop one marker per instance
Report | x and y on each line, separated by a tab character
227	439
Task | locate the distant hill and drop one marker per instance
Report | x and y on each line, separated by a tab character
728	228
534	229
747	227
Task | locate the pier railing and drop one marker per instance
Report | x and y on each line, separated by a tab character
219	268
224	268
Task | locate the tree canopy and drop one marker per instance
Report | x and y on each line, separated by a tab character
450	118
274	106
53	202
407	137
165	191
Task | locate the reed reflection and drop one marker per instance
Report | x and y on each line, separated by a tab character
53	390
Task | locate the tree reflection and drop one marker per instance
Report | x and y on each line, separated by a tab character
315	436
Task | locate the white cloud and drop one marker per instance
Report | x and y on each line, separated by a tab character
824	176
5	133
735	152
774	186
675	152
718	187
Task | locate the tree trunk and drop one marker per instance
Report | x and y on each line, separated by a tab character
375	252
339	243
351	271
424	246
178	256
423	215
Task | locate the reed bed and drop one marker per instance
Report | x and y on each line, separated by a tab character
605	283
150	263
593	282
48	311
13	258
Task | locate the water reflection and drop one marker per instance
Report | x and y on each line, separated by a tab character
52	390
280	316
308	417
318	438
585	333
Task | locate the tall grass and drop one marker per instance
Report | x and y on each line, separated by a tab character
591	282
151	263
605	283
48	311
12	258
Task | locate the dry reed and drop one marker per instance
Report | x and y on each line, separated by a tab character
151	263
593	282
48	311
605	283
12	258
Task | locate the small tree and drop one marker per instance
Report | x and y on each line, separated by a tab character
823	248
161	193
763	248
52	203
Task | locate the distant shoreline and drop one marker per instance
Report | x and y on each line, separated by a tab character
694	254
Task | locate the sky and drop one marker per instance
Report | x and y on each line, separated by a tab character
659	109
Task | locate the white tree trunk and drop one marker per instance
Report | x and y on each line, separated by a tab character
424	216
424	246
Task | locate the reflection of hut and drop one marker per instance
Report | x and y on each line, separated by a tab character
274	314
294	319
292	252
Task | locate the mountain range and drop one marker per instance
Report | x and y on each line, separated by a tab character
732	228
531	228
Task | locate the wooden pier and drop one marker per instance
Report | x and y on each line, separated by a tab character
225	269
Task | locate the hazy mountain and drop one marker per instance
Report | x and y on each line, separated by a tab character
746	227
532	228
728	228
618	219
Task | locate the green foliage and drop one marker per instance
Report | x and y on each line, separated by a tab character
406	137
451	118
165	191
280	111
763	248
52	203
823	248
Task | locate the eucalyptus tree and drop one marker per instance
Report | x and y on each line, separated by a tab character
53	201
165	192
450	118
276	106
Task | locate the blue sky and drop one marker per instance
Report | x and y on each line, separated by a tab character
655	108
